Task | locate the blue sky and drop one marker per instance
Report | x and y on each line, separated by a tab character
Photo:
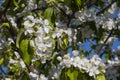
114	46
1	1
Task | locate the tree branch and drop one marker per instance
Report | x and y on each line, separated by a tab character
105	41
3	76
3	15
7	6
103	10
62	11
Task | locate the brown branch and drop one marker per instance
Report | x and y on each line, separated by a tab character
62	11
4	76
7	6
111	30
3	15
103	10
105	41
36	9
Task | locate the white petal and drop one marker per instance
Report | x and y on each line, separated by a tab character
22	63
46	22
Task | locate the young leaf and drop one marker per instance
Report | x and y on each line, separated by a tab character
1	61
100	77
72	74
15	3
78	3
24	48
6	24
48	13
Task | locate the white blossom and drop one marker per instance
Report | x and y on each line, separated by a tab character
22	63
7	79
42	77
33	75
59	58
77	62
75	53
32	43
12	61
110	24
28	24
69	31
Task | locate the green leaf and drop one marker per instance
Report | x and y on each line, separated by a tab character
100	77
48	13
37	63
75	5
24	48
78	3
19	37
74	46
15	3
38	2
60	0
6	24
68	2
63	75
72	74
118	3
30	50
64	42
1	61
25	76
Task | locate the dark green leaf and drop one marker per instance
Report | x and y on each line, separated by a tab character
118	3
75	5
37	63
25	76
19	37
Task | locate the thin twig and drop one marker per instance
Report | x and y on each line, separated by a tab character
111	30
105	41
62	11
103	10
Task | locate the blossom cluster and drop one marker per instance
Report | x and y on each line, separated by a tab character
43	37
93	66
43	42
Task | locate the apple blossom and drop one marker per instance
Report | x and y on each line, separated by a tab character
44	33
